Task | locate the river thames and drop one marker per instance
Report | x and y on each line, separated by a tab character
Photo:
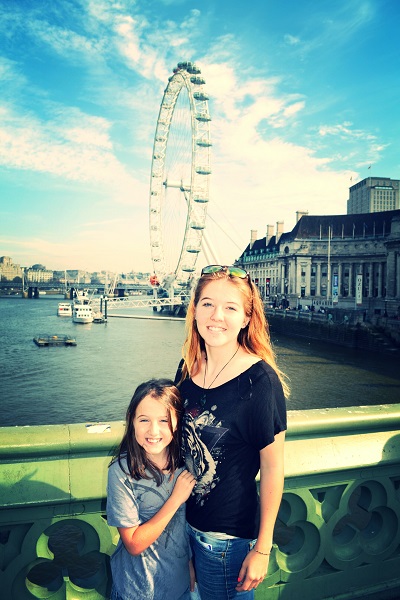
94	381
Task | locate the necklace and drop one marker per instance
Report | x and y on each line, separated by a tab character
205	390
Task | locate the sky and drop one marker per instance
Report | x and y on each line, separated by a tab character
304	102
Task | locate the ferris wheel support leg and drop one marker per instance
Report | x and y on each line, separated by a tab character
209	250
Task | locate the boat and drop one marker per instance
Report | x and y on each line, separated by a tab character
46	339
99	318
64	309
82	313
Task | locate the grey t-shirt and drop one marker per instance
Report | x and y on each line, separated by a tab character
161	571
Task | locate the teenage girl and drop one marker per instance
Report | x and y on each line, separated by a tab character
234	427
146	495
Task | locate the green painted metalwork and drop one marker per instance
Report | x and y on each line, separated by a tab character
337	535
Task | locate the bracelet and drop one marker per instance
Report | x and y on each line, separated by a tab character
263	553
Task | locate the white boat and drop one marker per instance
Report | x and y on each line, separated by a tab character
64	309
82	313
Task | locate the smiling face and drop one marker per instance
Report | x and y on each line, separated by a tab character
220	313
152	429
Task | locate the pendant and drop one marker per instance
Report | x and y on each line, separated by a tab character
203	399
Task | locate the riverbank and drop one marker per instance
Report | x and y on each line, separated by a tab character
376	335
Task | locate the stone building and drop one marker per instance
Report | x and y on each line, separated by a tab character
349	261
9	270
42	275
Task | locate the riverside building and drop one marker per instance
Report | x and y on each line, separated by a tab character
8	269
347	261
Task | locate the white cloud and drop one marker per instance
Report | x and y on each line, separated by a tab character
293	109
76	154
357	147
292	40
344	130
128	40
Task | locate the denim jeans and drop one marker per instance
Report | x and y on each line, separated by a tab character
217	564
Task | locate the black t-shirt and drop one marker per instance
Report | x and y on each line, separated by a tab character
224	429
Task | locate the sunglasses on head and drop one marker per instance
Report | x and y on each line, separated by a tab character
233	271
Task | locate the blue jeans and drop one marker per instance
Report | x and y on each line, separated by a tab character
217	564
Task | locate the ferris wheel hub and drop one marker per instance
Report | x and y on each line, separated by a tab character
170	183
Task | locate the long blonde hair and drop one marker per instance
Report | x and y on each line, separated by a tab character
254	338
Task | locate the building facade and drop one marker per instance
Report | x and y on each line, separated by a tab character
38	275
348	261
9	270
374	194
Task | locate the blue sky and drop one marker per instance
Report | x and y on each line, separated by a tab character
304	97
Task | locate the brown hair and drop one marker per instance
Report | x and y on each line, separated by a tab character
137	460
254	337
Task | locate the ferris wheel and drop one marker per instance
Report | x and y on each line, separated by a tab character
180	173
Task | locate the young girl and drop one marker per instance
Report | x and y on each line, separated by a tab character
234	427
146	496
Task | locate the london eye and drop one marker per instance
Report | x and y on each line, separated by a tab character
180	173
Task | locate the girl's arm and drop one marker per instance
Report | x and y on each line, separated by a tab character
137	539
255	565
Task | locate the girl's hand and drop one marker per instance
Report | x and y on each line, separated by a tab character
253	571
183	487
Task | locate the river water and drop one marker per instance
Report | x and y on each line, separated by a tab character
94	381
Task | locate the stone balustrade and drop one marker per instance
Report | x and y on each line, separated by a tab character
337	534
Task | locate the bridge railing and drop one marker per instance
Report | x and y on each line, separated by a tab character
139	302
337	535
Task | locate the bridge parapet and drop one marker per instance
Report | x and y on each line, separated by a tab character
337	535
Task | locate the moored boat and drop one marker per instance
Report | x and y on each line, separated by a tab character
82	313
99	318
64	309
